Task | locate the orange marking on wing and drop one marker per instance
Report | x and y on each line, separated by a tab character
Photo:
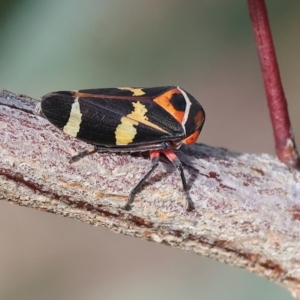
192	138
164	101
199	118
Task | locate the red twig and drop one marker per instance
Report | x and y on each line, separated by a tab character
284	140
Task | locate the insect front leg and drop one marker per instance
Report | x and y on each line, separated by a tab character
177	164
154	156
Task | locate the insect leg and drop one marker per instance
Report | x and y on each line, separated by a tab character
154	156
177	164
81	154
132	149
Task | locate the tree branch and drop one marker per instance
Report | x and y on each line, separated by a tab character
247	206
284	139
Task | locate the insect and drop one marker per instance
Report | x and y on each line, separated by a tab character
129	119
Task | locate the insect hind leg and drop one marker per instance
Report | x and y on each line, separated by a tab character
103	149
82	154
97	148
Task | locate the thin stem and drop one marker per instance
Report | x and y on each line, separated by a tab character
284	140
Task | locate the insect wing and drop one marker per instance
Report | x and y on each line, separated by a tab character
112	117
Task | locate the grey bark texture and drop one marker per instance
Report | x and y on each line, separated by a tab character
247	206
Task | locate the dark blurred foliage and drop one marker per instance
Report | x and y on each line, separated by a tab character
8	7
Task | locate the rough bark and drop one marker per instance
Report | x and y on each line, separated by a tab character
247	206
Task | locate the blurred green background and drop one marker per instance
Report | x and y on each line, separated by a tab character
207	47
